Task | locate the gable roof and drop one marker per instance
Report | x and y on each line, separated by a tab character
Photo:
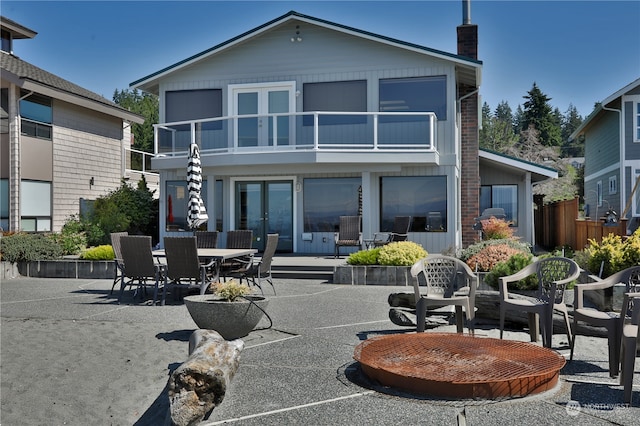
538	173
469	68
601	106
31	78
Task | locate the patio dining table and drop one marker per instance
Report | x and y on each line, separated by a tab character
218	255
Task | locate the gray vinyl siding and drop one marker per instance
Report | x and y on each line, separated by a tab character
602	143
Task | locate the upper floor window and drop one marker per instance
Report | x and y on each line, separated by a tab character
36	116
415	94
613	185
344	96
6	40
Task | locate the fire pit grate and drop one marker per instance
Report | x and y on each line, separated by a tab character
459	366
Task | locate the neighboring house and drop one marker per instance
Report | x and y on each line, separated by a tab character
301	120
59	143
611	135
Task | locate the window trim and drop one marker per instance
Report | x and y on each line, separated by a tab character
636	118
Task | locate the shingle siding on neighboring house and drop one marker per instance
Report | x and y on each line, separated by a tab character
86	144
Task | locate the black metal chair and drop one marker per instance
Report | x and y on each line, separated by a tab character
206	239
349	233
401	225
260	270
237	239
140	267
118	262
184	269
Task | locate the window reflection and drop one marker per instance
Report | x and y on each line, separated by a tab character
424	198
325	200
501	196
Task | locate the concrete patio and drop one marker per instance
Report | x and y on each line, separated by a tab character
71	355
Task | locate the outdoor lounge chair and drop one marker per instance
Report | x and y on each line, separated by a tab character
206	239
610	320
349	233
183	265
117	258
400	232
260	270
449	282
554	274
140	267
629	347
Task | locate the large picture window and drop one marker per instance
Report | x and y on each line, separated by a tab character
36	206
36	116
325	200
424	198
177	204
416	94
4	204
343	96
501	196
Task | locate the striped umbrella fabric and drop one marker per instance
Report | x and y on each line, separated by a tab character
196	212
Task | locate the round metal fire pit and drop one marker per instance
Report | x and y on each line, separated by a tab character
459	366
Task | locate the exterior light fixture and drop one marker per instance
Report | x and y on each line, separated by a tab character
297	37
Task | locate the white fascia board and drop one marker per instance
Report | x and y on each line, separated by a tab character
518	164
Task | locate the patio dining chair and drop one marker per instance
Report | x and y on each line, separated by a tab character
140	267
184	269
117	259
553	274
447	282
400	232
206	239
629	347
237	239
349	233
260	270
608	319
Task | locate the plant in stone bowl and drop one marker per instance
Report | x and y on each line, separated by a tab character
230	290
231	309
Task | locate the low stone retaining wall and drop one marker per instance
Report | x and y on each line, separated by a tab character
373	275
70	268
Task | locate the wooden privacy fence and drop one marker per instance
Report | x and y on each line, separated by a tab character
557	225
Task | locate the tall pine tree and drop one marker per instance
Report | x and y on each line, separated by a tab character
538	113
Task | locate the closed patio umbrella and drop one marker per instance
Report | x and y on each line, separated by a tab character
197	214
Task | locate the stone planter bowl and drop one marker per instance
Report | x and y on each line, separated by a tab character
231	319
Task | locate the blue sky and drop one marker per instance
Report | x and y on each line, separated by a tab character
577	52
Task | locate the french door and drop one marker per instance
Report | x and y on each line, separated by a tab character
266	207
256	102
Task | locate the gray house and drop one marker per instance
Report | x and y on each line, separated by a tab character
301	120
59	142
611	135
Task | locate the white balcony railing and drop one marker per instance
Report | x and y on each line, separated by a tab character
317	131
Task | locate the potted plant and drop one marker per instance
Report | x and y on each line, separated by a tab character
231	309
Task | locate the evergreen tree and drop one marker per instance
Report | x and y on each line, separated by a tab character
538	112
570	122
518	120
146	105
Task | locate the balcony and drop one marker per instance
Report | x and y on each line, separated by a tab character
138	164
357	132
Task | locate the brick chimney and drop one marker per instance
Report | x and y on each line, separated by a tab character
469	139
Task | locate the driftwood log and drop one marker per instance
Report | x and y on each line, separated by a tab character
199	385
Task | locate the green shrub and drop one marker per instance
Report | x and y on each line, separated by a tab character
364	257
103	252
401	253
23	247
476	248
608	254
509	267
490	255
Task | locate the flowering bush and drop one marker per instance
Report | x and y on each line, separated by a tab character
477	248
490	256
230	290
401	253
496	229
